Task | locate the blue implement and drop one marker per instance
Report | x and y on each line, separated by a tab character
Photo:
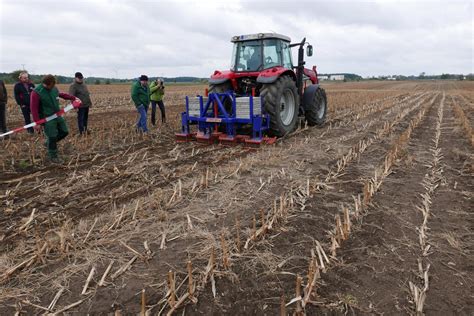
221	117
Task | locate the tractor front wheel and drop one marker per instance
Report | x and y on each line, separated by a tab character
221	88
282	104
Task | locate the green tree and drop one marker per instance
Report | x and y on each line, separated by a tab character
97	81
107	81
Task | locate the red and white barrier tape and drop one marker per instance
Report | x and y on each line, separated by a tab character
67	108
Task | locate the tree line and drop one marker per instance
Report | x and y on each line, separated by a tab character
12	77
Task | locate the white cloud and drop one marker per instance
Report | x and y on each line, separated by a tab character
180	38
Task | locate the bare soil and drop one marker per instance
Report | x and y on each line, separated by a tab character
259	212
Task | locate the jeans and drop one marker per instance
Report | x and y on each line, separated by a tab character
3	119
141	124
82	117
55	130
153	111
25	110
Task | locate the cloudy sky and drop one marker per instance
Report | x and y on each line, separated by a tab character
125	38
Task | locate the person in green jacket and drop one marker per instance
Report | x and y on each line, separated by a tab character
157	91
44	103
141	98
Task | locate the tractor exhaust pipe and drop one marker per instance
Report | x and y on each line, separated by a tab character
300	67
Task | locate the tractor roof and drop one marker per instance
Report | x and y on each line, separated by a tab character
249	37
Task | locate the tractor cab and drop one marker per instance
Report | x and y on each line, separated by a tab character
262	58
254	53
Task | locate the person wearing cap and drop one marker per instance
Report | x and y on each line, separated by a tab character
79	89
157	91
3	105
22	91
45	102
141	98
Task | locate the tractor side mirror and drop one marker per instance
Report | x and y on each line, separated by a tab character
309	50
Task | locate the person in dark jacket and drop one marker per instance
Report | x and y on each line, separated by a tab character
44	103
3	105
141	97
255	61
22	91
79	90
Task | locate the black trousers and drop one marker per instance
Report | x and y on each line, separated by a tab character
153	111
82	117
3	119
25	110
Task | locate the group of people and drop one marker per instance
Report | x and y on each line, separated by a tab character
43	101
142	95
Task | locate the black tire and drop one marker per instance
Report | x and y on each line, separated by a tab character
283	117
316	112
220	88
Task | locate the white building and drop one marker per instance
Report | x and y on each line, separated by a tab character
336	77
323	77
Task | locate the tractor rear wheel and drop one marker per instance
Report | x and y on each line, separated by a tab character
282	104
316	112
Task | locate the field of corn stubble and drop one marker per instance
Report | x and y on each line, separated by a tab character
370	214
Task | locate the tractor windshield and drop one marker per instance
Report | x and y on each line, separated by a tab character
247	56
271	53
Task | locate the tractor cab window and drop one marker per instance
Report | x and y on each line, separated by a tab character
286	51
247	56
271	53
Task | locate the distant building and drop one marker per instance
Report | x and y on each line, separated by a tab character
336	77
323	77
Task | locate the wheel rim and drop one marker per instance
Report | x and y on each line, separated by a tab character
287	107
322	109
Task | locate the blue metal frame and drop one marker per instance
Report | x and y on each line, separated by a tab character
208	120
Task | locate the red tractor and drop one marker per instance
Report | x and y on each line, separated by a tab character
263	91
262	66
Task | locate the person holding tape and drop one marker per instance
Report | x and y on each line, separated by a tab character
45	102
